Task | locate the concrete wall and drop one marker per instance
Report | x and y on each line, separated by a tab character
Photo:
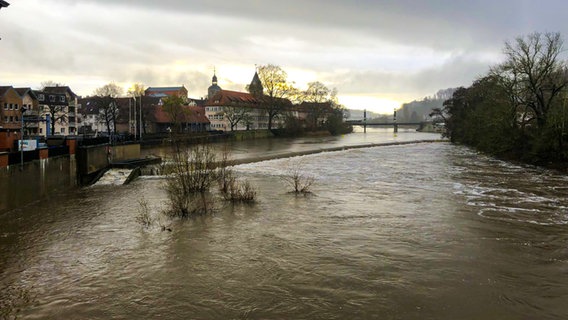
94	158
125	152
37	180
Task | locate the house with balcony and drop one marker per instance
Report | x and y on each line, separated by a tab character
66	115
53	111
31	115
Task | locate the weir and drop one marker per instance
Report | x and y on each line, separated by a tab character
116	177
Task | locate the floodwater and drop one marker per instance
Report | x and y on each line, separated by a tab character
419	231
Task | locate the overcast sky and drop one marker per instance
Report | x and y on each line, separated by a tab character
378	54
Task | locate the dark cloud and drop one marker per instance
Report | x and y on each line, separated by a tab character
438	23
368	47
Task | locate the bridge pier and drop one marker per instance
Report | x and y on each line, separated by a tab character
394	122
365	121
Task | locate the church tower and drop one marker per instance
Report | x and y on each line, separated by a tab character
214	88
255	87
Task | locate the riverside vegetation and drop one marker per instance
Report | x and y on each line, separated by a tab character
519	109
194	171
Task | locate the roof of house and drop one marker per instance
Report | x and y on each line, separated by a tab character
198	102
227	97
23	91
4	89
164	91
160	89
192	115
60	89
321	105
124	102
148	100
89	105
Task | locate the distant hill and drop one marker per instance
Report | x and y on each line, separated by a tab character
419	110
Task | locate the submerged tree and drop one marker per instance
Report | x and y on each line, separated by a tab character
189	179
297	179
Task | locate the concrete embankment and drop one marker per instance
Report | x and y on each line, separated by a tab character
320	150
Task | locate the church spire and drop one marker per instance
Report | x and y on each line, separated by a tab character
214	88
214	80
255	87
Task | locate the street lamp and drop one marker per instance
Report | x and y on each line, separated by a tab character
22	139
140	132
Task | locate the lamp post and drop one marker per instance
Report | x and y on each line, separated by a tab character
135	122
22	139
365	121
395	124
140	117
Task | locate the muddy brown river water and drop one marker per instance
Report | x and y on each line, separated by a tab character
419	231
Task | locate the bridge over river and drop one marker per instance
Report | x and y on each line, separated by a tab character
395	125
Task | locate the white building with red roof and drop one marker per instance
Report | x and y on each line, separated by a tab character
232	110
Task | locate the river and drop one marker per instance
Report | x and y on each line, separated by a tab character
418	231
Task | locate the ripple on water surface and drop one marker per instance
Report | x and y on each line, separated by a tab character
426	231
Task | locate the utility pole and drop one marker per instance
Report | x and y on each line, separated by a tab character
365	121
130	116
135	119
140	118
395	124
22	140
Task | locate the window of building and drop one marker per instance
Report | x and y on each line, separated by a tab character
40	130
16	106
62	99
11	119
5	118
5	106
52	98
41	97
62	130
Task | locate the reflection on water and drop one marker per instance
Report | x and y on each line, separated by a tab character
424	231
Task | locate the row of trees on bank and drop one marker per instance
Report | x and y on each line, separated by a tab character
277	97
519	109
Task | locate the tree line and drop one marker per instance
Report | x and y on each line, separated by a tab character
518	110
278	96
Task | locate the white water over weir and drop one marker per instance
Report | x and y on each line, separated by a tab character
114	177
